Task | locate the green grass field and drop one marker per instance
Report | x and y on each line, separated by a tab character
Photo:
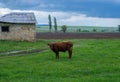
79	29
94	60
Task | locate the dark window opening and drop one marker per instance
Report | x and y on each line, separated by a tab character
5	28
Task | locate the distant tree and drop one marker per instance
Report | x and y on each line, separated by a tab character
94	30
64	28
79	30
55	24
119	28
50	22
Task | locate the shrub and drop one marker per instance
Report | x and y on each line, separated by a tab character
79	30
94	30
64	28
119	28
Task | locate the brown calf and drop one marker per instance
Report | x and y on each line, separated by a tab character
61	46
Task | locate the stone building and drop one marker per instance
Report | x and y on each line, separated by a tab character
18	26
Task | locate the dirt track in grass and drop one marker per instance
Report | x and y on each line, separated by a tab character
22	52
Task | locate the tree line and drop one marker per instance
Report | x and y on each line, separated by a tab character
63	27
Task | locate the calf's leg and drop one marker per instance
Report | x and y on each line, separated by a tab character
70	52
57	55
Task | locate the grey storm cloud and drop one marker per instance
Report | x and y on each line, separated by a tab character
97	8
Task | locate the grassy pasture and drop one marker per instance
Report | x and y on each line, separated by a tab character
94	60
79	29
18	45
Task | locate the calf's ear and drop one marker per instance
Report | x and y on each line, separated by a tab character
48	44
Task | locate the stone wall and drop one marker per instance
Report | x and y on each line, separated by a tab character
19	32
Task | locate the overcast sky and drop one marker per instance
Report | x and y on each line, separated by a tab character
68	12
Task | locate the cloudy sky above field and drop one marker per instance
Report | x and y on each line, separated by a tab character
68	12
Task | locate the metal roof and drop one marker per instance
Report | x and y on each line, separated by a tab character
17	17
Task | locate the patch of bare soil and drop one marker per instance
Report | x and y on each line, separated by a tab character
49	35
